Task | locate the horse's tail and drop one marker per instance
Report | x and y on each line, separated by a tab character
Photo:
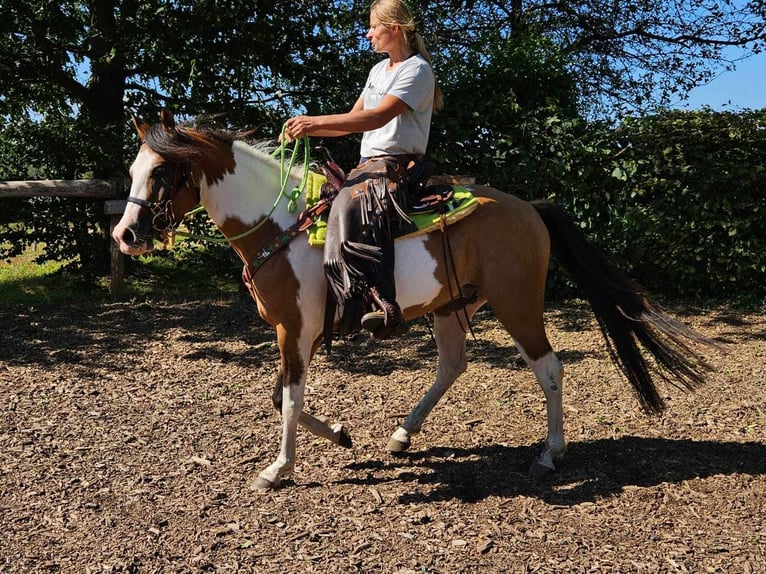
626	316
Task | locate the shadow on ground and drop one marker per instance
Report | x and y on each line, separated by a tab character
86	334
591	469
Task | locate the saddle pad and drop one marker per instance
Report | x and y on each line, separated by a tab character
463	203
318	229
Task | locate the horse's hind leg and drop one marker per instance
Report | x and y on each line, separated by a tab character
525	324
549	374
450	335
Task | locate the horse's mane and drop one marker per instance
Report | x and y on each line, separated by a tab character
184	144
191	142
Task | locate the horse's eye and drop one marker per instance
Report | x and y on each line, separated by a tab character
160	175
161	182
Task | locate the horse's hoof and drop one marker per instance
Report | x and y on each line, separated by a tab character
396	446
261	484
539	471
344	439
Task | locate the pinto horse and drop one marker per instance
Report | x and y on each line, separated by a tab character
500	253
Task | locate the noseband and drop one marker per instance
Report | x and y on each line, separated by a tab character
161	203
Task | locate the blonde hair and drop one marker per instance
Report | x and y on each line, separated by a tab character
397	13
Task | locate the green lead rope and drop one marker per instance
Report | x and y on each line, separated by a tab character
284	174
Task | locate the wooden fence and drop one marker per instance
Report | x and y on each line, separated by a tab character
97	189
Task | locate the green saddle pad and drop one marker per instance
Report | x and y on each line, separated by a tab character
462	203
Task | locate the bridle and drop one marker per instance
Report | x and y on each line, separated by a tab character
160	203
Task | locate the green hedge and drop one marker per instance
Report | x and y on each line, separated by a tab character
678	199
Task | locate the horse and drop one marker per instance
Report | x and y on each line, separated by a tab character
500	253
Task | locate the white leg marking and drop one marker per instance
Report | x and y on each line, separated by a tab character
549	373
306	262
292	405
334	433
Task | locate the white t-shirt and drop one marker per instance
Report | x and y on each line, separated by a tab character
413	82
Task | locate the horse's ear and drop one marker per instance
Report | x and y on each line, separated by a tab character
141	127
167	119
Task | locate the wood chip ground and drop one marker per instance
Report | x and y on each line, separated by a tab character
130	433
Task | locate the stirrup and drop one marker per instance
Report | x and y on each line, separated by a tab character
375	323
386	321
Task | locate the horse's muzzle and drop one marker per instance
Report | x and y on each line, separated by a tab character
134	237
131	243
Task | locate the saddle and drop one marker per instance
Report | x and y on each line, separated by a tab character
432	201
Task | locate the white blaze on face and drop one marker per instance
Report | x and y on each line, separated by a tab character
140	172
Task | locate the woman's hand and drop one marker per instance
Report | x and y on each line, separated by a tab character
336	125
298	127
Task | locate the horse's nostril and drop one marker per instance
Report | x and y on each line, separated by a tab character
127	236
133	235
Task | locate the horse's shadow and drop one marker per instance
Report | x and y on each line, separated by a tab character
590	470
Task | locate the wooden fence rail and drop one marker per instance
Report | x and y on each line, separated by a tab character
98	189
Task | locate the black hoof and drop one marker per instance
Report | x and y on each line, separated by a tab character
344	439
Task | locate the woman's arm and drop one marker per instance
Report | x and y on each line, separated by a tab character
355	121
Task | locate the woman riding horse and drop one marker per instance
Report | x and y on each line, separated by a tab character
178	168
394	114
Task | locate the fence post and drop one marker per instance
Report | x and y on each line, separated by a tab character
82	189
114	208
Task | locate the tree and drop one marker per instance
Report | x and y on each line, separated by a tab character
77	66
258	61
626	55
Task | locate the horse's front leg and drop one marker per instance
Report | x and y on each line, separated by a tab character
336	433
295	355
292	406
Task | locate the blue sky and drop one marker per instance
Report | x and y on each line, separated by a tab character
743	88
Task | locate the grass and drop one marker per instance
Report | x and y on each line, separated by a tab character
186	274
22	280
172	274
